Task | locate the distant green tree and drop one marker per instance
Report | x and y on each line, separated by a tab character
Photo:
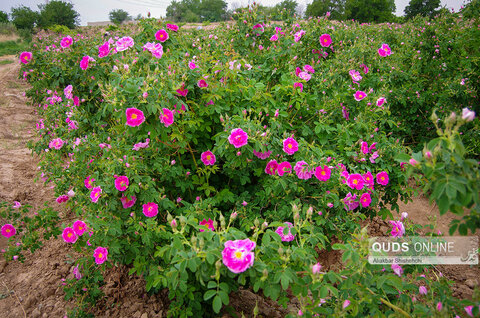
190	16
175	11
3	17
197	10
58	12
284	9
118	16
370	10
422	7
319	8
24	18
289	5
212	10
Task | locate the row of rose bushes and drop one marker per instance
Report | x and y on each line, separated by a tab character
212	160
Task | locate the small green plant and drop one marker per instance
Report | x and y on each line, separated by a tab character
61	29
7	28
32	228
12	47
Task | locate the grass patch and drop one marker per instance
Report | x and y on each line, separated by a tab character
3	62
15	85
7	28
12	47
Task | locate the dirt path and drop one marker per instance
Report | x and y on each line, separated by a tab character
30	289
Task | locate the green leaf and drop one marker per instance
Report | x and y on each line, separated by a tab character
402	157
438	190
209	294
338	246
443	205
224	287
217	304
451	191
284	280
323	291
224	297
192	265
452	229
212	284
463	229
210	258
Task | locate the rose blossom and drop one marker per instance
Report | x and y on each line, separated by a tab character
208	224
69	235
238	138
208	158
290	146
325	40
8	230
271	167
283	168
238	256
150	209
167	117
161	35
323	174
128	202
382	178
100	255
398	229
134	116
121	183
289	236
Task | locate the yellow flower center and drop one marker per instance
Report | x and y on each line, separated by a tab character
355	181
208	157
238	254
100	255
149	208
69	234
7	230
134	116
322	173
382	178
290	146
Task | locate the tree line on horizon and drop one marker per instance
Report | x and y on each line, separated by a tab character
359	10
61	13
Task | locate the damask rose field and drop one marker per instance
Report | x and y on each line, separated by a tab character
212	161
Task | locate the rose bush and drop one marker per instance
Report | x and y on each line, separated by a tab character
259	128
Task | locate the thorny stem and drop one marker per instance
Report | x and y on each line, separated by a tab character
193	156
389	304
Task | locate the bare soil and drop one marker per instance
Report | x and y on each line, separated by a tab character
8	37
34	289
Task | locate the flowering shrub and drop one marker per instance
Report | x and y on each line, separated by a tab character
229	125
28	229
451	178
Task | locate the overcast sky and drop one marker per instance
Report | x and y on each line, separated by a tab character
97	10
